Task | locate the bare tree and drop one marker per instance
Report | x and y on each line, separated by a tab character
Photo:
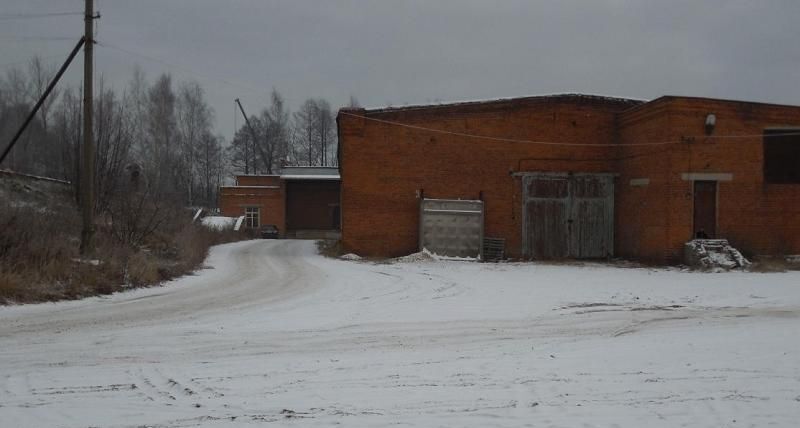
238	152
138	211
266	147
113	145
67	117
194	120
274	125
314	134
36	152
210	167
325	131
40	76
136	104
16	94
160	144
304	146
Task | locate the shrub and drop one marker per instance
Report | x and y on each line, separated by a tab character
39	258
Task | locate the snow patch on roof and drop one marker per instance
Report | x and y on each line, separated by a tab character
310	177
250	187
310	173
596	97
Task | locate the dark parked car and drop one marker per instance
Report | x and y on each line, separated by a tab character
269	231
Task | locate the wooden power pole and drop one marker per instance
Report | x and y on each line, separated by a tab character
87	170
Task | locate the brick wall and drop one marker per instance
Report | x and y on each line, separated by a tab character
643	194
383	166
265	192
258	180
757	217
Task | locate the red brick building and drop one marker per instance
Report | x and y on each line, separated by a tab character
302	201
638	179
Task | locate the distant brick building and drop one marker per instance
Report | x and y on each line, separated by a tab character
576	175
301	201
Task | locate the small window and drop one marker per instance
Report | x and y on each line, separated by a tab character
782	156
252	217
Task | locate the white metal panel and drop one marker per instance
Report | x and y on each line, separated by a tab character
451	227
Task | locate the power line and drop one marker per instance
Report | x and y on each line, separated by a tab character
554	143
14	16
35	39
441	131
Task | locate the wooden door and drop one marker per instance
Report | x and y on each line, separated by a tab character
705	209
568	216
591	217
546	227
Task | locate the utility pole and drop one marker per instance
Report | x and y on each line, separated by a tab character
87	171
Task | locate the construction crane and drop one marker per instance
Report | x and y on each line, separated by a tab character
267	163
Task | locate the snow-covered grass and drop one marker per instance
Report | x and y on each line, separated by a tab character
276	333
218	222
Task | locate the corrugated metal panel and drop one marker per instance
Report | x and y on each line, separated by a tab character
568	216
451	227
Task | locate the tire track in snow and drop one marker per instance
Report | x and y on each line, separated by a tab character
152	389
249	275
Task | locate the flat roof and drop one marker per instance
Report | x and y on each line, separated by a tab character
311	177
604	99
630	103
250	187
310	173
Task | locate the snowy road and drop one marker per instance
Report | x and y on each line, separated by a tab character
274	334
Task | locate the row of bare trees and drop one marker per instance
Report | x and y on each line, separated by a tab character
20	87
159	132
280	137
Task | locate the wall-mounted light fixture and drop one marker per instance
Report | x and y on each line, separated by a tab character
711	122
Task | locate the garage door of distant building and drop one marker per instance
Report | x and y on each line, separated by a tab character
312	205
568	215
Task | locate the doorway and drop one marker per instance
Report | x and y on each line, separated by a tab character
568	215
705	210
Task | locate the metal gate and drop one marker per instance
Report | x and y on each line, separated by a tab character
451	227
568	215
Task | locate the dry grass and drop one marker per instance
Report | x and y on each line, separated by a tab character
39	258
36	247
142	269
767	264
330	248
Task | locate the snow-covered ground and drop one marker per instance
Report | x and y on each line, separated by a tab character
218	222
272	332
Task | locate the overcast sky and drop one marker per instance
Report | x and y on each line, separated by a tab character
409	52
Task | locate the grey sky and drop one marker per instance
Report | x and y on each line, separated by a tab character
399	52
